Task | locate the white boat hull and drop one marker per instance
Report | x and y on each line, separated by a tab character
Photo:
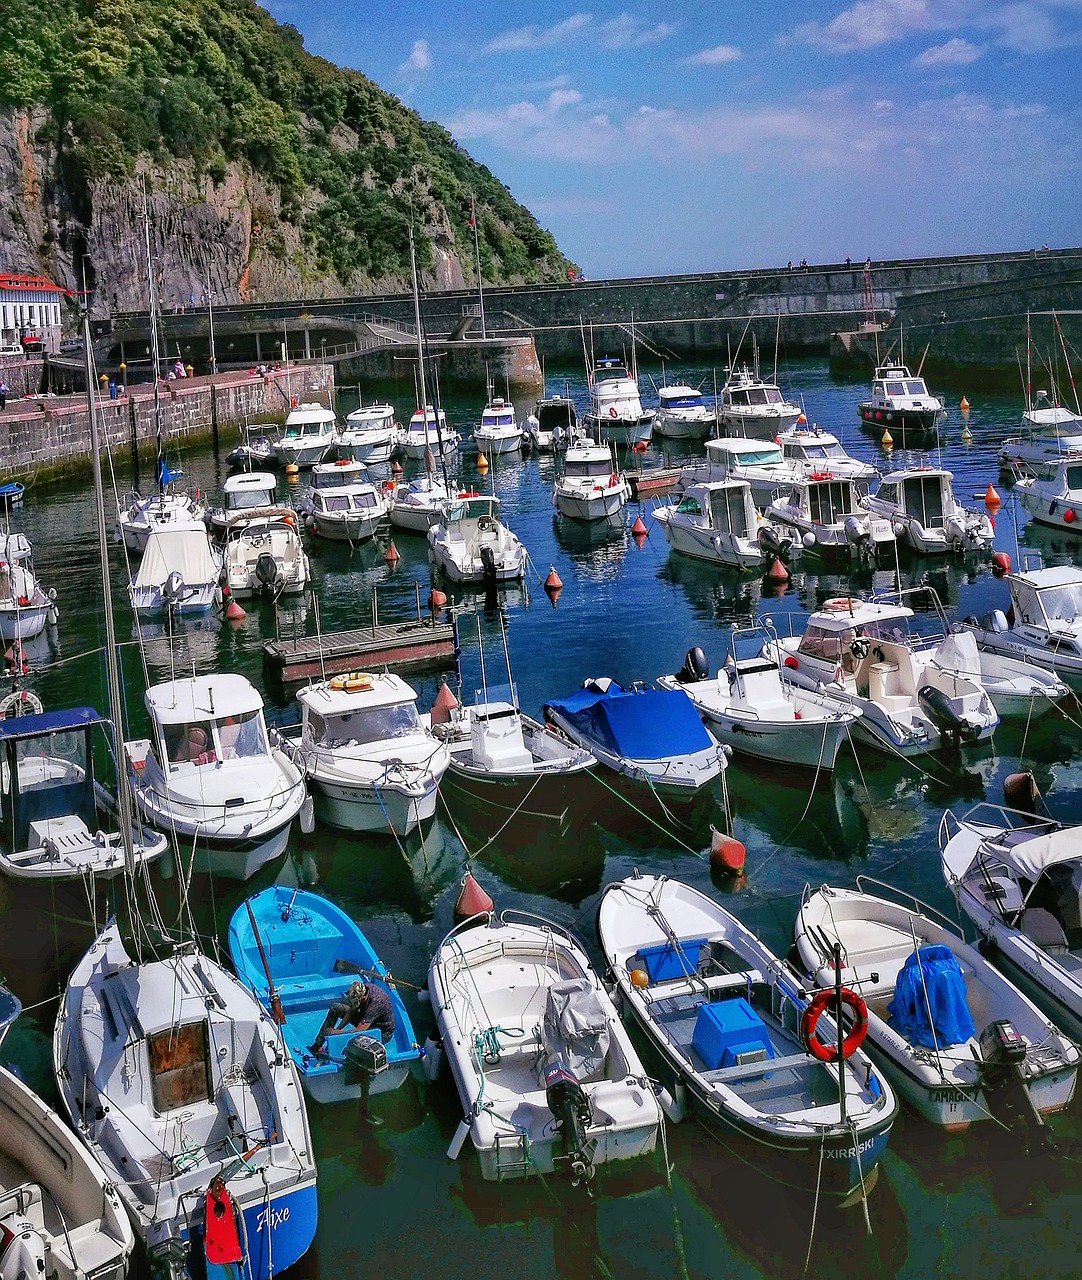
597	504
492	445
387	809
708	544
348	528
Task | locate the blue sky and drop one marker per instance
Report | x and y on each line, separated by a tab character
657	138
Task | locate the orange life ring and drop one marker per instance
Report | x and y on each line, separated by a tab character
843	604
352	681
342	462
613	413
614	480
853	1038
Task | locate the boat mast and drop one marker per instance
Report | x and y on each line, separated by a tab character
1066	361
420	335
1029	367
155	352
477	255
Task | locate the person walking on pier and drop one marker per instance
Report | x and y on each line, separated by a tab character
5	391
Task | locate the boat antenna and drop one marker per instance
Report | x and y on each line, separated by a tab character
717	410
1029	366
507	656
155	350
1066	361
481	654
777	344
437	409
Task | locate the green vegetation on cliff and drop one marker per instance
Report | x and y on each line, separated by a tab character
219	80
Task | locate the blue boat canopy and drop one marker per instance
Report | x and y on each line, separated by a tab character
649	724
50	722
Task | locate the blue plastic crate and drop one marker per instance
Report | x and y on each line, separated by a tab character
667	960
727	1028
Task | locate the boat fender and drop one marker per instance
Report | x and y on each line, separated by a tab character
1020	791
352	681
20	703
220	1238
853	1037
458	1141
308	815
433	1057
673	1104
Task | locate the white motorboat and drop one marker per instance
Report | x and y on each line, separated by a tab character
548	1078
751	709
724	1018
179	1085
471	544
941	1019
342	503
138	516
1018	688
1018	877
1052	491
208	775
416	505
754	408
901	404
590	485
683	413
25	605
860	653
820	451
498	431
264	554
242	493
59	822
1049	431
180	572
371	764
256	449
59	1214
826	512
616	415
920	504
371	433
1044	623
651	736
310	434
759	462
553	423
429	430
718	522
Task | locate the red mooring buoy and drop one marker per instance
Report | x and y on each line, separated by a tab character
1020	792
991	498
445	703
639	529
436	600
391	554
472	900
1001	563
726	852
777	572
553	582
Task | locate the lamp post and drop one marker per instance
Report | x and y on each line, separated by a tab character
213	361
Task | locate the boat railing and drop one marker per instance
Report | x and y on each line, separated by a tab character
920	907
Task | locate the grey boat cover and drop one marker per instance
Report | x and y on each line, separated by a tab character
958	652
575	1029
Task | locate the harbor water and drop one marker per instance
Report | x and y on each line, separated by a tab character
391	1202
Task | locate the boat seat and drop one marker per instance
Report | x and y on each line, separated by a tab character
999	891
748	1070
1041	926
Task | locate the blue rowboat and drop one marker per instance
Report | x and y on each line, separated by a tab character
11	495
314	951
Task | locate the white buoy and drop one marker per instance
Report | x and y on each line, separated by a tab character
673	1104
461	1134
433	1057
308	815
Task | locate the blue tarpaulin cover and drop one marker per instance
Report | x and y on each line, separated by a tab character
908	1012
649	724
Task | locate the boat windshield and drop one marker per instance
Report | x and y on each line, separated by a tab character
497	419
336	477
916	387
894	388
769	455
370	724
693	401
297	430
332	501
594	467
1060	604
233	737
830	501
246	499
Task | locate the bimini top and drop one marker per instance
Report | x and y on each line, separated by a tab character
1031	857
50	722
195	698
651	724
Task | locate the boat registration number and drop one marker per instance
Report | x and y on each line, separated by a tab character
951	1094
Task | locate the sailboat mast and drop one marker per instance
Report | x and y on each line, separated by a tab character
155	352
1029	367
420	336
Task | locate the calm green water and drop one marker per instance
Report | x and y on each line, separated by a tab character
391	1203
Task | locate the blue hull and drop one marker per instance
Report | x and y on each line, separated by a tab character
268	1252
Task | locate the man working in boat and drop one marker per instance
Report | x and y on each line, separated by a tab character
365	1007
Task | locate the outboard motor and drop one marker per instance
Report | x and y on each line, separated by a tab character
365	1057
22	1250
174	589
575	1038
694	668
1003	1053
488	564
950	722
774	543
858	535
266	571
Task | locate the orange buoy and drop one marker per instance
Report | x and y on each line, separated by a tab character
887	440
396	467
777	572
726	852
472	899
639	529
482	462
640	446
445	703
801	418
293	473
436	600
991	498
553	582
391	554
1001	563
639	978
234	612
1020	792
963	404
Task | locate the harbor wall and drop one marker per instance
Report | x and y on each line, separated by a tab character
49	437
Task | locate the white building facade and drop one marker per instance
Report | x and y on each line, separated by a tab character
30	308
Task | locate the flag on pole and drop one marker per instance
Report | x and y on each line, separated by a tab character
473	216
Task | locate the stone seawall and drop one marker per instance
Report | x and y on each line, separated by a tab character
50	437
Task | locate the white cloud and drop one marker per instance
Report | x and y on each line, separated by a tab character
622	32
627	32
715	57
538	37
866	25
955	53
420	58
563	98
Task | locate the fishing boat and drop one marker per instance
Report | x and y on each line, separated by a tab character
180	572
256	448
11	495
498	431
371	434
724	1018
241	494
25	606
264	555
471	544
429	430
749	707
944	1026
59	822
208	775
759	462
371	763
827	514
616	415
860	654
718	522
299	951
553	423
1017	876
901	404
683	414
920	504
590	485
548	1078
341	503
818	450
176	1081
653	737
138	516
59	1215
1052	491
310	434
416	505
754	408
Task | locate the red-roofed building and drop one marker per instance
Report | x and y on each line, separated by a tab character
29	309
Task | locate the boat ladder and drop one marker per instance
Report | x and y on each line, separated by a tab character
513	1155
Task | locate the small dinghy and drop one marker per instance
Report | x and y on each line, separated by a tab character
724	1017
60	1217
177	1082
749	707
25	605
256	449
312	951
944	1026
1016	687
548	1078
11	495
651	736
1017	877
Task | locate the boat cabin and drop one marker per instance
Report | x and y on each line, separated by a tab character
897	381
1066	472
371	417
498	414
723	505
338	475
924	494
830	632
817	448
308	421
742	397
587	463
734	452
1050	600
464	517
208	720
823	498
357	710
679	396
609	369
248	490
556	414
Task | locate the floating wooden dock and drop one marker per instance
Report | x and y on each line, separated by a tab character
410	644
652	484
